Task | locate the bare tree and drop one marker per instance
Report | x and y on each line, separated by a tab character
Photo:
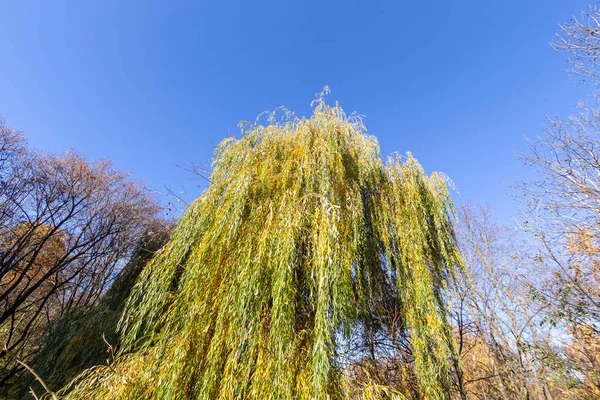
67	225
565	201
564	211
88	337
564	214
498	325
581	37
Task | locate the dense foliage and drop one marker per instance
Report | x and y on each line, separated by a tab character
303	231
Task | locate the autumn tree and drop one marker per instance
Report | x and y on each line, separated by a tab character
580	38
564	209
279	264
67	225
507	346
87	337
564	215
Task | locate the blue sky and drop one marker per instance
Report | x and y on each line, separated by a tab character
151	85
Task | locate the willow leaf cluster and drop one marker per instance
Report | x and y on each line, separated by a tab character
272	270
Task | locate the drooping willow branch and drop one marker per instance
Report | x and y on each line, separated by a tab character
272	270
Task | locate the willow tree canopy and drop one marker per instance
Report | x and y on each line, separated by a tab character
278	266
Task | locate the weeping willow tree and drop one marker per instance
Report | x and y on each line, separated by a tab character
279	265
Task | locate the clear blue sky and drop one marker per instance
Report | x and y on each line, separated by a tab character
154	84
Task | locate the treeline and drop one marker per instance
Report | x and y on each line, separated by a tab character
68	227
527	312
524	310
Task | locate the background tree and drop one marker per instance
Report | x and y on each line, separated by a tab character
564	200
67	225
581	38
87	337
508	348
564	206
